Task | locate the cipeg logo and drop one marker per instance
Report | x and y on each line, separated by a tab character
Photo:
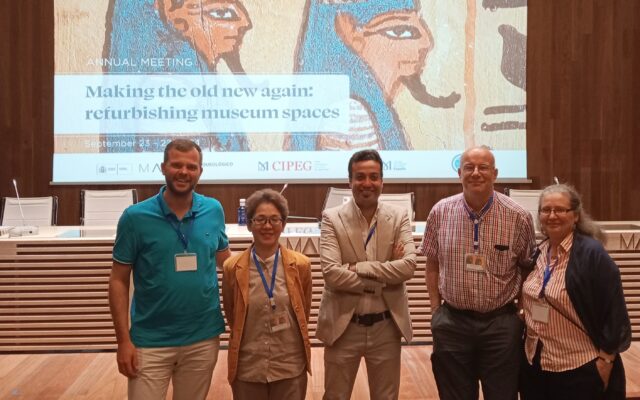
285	166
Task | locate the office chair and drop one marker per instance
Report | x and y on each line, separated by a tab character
104	207
38	211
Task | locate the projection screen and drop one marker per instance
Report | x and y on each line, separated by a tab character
287	90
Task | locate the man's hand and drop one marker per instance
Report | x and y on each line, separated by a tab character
431	278
398	252
520	307
127	359
373	287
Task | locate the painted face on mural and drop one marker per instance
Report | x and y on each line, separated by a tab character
395	46
215	28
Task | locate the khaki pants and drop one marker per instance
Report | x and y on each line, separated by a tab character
289	389
190	367
379	344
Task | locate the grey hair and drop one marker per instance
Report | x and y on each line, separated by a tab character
585	224
269	196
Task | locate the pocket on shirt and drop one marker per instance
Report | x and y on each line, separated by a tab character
501	262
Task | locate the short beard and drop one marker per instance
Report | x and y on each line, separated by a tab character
233	62
171	187
419	92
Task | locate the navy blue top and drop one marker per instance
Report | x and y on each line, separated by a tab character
594	286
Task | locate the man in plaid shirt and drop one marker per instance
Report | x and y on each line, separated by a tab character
475	243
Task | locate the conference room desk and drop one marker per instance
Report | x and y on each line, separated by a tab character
54	285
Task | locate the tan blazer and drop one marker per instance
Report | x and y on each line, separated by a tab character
235	292
341	244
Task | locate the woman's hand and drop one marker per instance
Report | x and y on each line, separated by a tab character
604	370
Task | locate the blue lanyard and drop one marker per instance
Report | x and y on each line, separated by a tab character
268	289
475	218
547	272
184	237
370	235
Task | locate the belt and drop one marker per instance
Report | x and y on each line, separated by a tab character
508	308
370	319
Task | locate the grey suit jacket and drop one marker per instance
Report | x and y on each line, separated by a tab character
341	244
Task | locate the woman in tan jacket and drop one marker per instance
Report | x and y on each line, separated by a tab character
266	295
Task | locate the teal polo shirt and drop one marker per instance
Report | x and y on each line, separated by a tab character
172	308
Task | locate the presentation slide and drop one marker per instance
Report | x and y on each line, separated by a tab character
287	90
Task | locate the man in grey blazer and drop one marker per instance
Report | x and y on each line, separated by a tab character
367	254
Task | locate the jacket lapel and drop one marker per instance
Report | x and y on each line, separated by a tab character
242	275
384	235
289	267
349	219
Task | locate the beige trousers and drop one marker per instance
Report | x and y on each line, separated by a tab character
379	344
289	389
190	367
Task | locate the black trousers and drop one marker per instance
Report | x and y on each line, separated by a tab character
468	349
582	383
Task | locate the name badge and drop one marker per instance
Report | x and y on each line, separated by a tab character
186	262
279	321
475	262
540	312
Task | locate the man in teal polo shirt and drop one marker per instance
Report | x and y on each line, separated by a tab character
172	243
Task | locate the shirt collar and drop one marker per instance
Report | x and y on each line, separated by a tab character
467	207
268	262
196	204
566	243
362	218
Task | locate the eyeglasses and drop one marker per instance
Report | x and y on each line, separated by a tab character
262	220
560	212
482	168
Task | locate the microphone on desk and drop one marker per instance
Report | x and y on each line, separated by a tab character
25	229
310	219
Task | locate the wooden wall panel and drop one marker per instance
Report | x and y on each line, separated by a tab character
583	81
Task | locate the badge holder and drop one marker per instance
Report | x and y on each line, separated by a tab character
279	321
475	262
540	312
186	262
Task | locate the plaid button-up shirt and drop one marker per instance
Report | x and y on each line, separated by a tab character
506	238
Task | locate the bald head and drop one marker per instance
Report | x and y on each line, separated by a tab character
477	173
482	151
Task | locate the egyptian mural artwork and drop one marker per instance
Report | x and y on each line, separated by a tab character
422	75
